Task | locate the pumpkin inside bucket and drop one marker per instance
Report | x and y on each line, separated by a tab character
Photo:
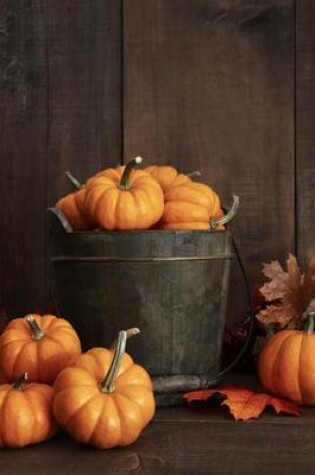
173	285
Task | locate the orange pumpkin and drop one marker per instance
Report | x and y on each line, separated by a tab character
26	413
286	364
72	206
190	206
104	412
40	345
123	198
167	176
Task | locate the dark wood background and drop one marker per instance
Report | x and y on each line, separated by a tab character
223	86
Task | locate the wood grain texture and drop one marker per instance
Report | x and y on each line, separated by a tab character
60	109
84	93
183	441
305	128
83	51
23	122
209	85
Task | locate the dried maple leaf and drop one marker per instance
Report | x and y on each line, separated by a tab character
244	403
287	294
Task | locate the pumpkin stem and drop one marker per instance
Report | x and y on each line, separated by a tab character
214	222
37	332
129	333
310	323
107	385
18	384
125	179
194	174
74	182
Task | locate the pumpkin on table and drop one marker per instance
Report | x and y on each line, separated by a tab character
124	198
26	413
40	345
105	399
286	364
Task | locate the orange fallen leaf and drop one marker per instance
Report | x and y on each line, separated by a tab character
244	403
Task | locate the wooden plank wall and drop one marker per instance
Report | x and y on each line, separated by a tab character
201	84
305	129
60	109
23	149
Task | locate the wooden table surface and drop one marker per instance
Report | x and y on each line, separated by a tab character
184	440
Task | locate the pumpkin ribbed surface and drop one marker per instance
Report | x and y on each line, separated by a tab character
42	352
190	206
103	419
72	206
137	206
26	414
286	366
167	176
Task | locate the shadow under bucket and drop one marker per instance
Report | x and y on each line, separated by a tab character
173	285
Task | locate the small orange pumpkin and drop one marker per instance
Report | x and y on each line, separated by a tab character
40	345
124	198
167	176
104	412
190	206
26	413
72	206
286	364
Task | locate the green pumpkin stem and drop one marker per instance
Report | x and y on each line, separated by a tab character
74	182
129	333
107	385
125	179
19	383
310	323
37	332
214	222
194	174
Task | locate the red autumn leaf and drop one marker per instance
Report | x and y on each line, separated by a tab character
244	403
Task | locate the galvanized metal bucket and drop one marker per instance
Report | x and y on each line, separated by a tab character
173	285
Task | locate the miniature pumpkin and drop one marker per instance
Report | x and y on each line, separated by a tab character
26	413
40	345
286	364
124	198
167	176
190	206
72	206
104	412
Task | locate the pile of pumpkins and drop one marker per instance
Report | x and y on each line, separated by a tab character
101	397
156	197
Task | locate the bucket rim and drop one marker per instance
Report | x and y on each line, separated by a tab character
92	232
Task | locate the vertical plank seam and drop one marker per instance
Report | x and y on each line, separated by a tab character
295	151
122	84
47	147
